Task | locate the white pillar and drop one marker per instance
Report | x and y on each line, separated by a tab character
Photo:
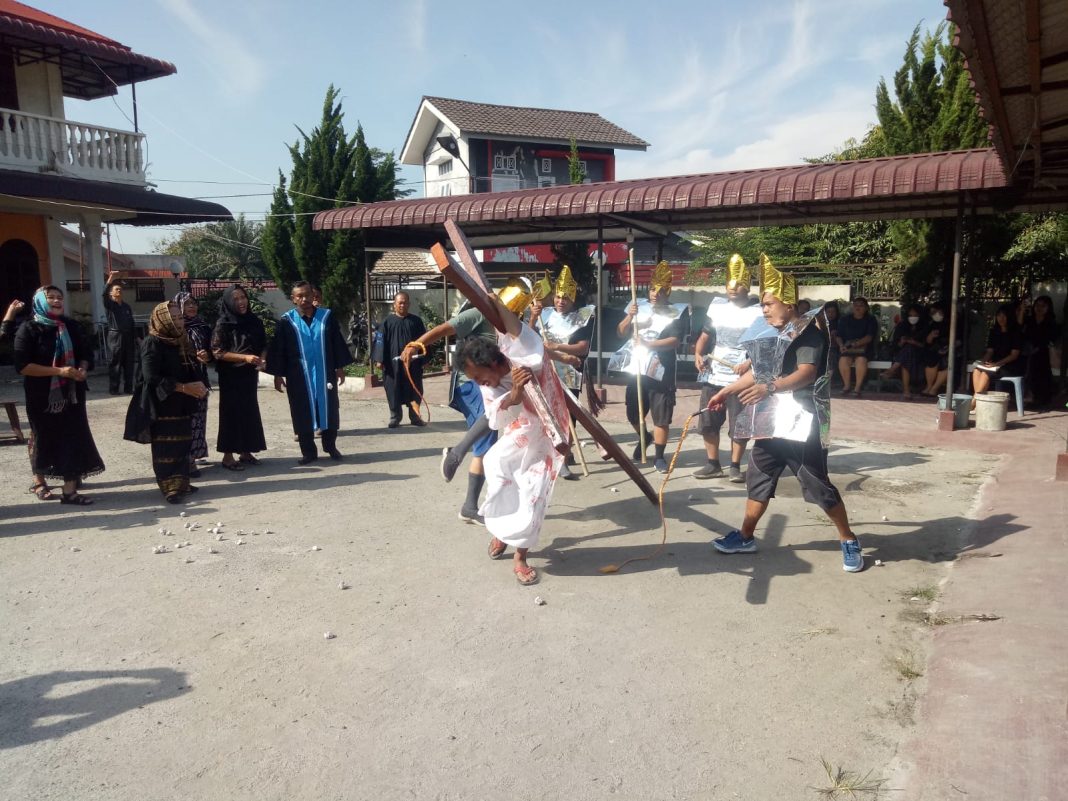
94	265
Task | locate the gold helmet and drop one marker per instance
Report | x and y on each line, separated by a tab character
780	285
516	294
566	285
737	273
661	278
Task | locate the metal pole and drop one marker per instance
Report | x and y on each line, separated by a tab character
600	300
954	298
133	93
367	305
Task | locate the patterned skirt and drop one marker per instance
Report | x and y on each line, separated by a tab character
171	437
199	449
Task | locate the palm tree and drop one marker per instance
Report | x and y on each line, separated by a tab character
227	250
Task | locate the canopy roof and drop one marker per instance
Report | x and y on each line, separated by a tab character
1017	57
91	65
64	198
923	185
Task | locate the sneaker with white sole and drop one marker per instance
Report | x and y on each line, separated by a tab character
735	543
471	516
710	470
661	465
449	464
735	475
852	556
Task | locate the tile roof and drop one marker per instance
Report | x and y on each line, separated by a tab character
403	262
535	123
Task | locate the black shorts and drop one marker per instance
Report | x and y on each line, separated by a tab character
807	460
657	400
712	421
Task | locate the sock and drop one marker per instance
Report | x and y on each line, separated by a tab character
473	435
736	465
474	488
659	450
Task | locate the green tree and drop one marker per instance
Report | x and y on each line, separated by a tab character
576	255
230	249
330	169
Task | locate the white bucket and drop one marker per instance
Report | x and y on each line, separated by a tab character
991	411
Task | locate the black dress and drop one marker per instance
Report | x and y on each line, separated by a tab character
911	357
240	425
1039	336
160	415
199	333
62	445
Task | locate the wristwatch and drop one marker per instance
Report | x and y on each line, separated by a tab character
770	388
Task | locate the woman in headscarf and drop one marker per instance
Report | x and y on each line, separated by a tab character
199	334
53	357
164	397
239	345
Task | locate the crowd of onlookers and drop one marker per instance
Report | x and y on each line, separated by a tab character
1019	343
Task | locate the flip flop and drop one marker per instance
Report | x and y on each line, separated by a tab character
498	551
532	576
237	468
252	460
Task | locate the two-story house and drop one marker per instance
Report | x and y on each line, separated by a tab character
467	147
54	170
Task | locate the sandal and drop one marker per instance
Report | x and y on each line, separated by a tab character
250	459
237	468
496	548
531	576
42	491
74	499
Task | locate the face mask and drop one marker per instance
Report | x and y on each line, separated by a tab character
937	317
913	320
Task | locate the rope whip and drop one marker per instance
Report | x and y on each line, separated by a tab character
408	372
660	498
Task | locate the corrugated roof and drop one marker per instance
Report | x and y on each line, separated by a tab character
536	124
919	185
91	64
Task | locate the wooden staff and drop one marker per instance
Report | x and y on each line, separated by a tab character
637	361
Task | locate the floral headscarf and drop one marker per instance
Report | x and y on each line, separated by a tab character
61	390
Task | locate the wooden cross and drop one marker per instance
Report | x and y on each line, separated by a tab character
471	282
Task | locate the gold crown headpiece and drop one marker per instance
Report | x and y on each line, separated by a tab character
566	286
516	294
661	277
780	285
737	273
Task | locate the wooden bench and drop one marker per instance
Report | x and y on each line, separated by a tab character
15	437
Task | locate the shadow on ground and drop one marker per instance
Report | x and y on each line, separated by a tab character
28	716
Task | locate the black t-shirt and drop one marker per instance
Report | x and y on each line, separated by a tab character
810	347
120	316
851	329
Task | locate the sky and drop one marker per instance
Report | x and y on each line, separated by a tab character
711	85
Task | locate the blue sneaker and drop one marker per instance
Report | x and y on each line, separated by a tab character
852	558
735	543
661	466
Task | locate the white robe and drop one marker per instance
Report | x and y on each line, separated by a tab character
522	465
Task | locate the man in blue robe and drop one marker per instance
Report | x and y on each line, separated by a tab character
307	359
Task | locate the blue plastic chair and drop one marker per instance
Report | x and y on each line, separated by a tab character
1017	385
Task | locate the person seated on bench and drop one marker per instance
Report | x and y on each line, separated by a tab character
1002	357
856	343
910	337
936	350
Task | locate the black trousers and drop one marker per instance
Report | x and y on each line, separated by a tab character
121	347
307	442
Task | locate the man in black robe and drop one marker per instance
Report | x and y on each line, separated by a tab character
121	336
307	359
398	329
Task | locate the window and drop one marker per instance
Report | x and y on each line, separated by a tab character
150	290
446	190
445	167
504	163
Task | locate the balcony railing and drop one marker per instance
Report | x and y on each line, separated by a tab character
42	144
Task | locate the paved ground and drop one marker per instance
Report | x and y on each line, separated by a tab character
191	674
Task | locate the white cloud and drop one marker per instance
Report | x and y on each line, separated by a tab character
415	23
236	67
